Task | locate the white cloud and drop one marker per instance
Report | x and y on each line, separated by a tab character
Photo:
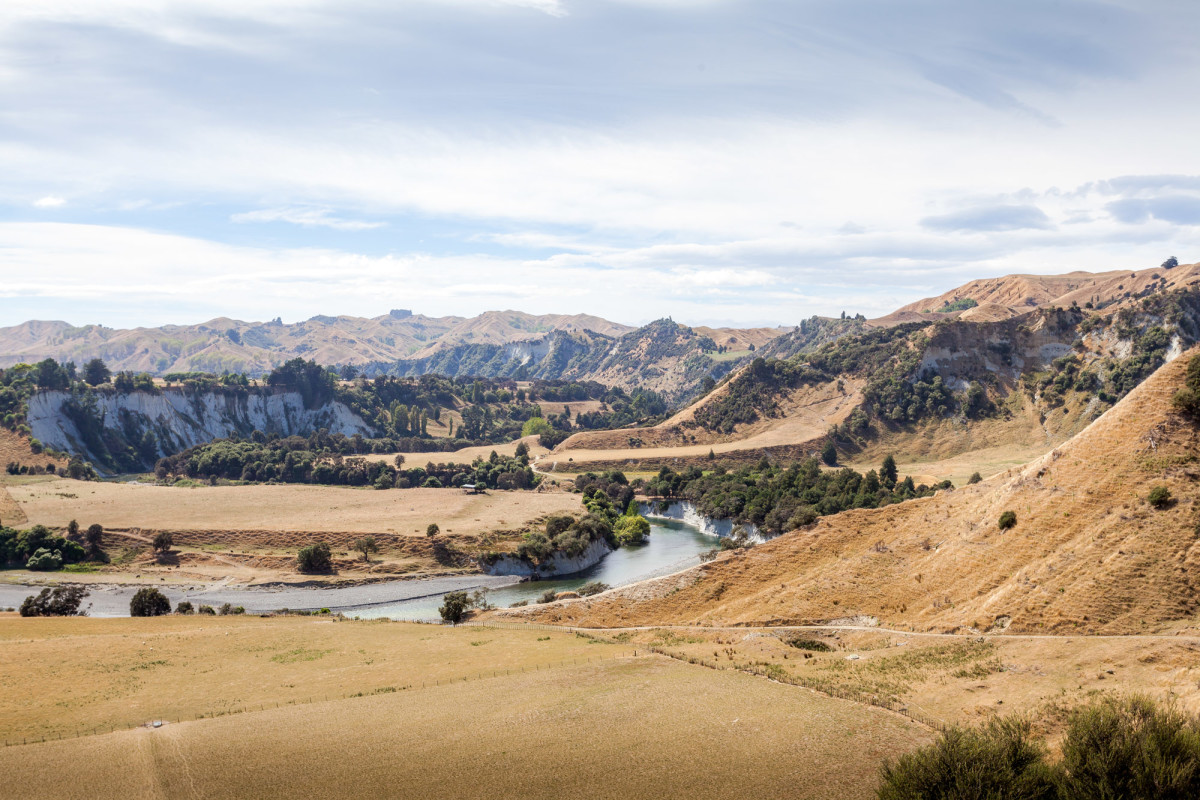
49	201
308	217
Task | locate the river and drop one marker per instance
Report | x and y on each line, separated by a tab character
672	546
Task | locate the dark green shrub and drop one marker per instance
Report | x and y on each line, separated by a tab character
1131	748
829	454
591	588
44	560
207	610
149	602
802	643
163	541
1008	520
185	607
548	596
315	558
432	530
60	601
975	478
999	761
1160	497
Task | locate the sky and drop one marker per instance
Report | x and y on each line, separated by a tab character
724	162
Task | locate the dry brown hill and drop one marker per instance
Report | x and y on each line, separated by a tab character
806	414
1011	295
1088	554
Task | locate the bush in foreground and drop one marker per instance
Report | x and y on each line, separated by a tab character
1128	748
1131	748
1008	520
61	601
149	602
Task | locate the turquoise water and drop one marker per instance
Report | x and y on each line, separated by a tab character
673	546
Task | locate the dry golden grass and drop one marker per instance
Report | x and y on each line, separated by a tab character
806	415
1088	553
251	534
298	508
626	727
15	449
465	456
958	679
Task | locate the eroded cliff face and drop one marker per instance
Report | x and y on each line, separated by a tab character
174	420
560	564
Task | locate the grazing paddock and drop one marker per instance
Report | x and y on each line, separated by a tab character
617	727
282	507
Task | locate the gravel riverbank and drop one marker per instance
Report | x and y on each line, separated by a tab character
113	601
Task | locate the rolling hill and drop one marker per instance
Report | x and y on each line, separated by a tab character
1088	553
920	390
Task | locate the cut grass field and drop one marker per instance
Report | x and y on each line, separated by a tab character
617	727
251	534
55	502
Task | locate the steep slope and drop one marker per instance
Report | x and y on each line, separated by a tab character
919	390
1088	552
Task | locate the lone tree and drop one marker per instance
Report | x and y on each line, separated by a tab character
829	454
1170	263
315	558
149	602
1008	520
366	545
455	606
432	530
61	601
163	541
73	531
96	372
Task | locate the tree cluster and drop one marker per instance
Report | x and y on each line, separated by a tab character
778	499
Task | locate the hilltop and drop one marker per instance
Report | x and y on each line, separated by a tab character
1088	553
925	390
994	299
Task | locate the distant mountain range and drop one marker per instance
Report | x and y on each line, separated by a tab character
493	344
668	357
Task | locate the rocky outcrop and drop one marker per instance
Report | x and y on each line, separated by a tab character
560	564
178	419
688	514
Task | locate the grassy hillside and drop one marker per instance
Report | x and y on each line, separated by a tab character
918	390
1088	552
